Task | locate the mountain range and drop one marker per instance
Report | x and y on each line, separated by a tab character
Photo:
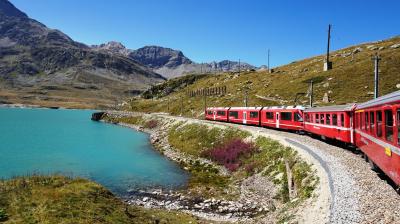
168	62
39	63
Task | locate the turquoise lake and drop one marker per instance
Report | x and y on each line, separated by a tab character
67	142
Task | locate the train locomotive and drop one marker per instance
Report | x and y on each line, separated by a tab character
372	127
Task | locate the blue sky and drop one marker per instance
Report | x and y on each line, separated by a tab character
209	30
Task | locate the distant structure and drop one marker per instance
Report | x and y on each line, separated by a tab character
269	69
327	63
239	66
376	60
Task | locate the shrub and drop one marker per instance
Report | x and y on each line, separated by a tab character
151	124
3	215
229	154
250	168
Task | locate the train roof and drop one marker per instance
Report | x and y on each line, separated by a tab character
284	107
389	98
334	108
246	108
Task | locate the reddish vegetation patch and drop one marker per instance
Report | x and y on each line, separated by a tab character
230	153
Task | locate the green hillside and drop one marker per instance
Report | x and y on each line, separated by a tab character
350	80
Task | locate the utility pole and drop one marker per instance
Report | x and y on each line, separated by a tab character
311	92
376	59
239	66
205	102
328	64
245	97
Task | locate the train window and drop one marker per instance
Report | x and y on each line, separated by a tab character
366	121
286	116
234	114
372	119
297	117
269	115
317	118
253	114
328	119
221	113
334	119
307	117
357	120
398	127
322	118
209	112
342	120
389	125
379	123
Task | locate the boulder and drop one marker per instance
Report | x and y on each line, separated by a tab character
395	46
357	50
372	47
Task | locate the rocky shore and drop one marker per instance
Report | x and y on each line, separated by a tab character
18	105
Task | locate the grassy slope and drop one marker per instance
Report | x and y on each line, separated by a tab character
350	80
57	199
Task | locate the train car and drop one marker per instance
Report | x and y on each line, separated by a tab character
377	133
334	122
283	117
245	115
217	113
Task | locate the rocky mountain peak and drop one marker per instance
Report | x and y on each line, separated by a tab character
113	47
8	9
157	57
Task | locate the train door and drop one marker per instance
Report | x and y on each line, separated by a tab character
351	127
398	126
277	119
244	117
215	114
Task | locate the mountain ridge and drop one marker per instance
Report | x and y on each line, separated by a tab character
169	62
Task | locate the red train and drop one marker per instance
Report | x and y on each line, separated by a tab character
373	126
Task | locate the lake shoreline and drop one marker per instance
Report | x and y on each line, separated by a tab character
175	199
208	208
